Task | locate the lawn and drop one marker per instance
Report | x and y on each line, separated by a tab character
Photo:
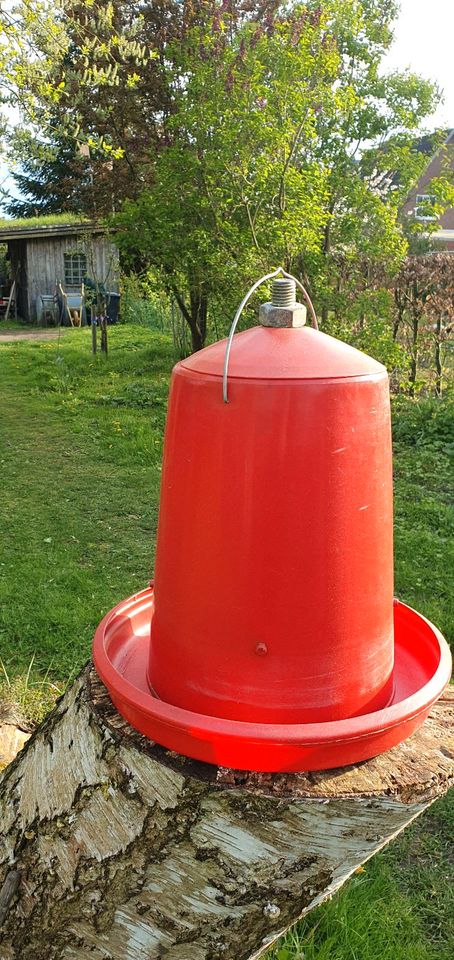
80	461
81	444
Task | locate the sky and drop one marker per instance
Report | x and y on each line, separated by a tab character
423	42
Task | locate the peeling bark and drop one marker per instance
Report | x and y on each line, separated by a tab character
116	849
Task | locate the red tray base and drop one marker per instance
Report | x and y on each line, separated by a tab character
422	669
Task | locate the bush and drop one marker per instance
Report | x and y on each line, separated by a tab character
365	321
143	303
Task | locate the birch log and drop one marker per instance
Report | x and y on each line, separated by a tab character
116	849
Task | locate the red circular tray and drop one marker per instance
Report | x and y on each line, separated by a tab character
422	667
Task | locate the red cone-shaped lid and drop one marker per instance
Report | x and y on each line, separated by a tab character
267	353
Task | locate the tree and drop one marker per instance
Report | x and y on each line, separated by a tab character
227	195
51	178
90	75
266	127
248	135
85	75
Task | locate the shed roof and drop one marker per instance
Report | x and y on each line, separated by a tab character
20	230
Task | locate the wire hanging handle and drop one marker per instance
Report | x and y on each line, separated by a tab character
258	283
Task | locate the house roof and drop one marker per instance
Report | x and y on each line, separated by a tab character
385	180
445	155
20	230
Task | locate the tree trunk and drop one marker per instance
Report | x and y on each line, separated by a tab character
195	316
197	342
397	322
103	324
414	352
116	849
438	358
326	249
198	320
94	332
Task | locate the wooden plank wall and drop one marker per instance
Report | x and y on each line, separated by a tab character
45	264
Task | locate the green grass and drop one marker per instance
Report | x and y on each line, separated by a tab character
30	698
80	452
424	515
12	324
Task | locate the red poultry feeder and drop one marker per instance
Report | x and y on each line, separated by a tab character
270	639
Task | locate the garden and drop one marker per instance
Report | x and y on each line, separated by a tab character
80	450
201	146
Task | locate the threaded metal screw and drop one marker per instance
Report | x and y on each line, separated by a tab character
283	293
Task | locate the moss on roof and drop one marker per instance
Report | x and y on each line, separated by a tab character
48	220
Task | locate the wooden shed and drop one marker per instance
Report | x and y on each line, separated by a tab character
44	256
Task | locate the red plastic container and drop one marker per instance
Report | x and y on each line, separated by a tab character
270	640
274	567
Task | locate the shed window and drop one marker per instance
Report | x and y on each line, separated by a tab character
75	269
